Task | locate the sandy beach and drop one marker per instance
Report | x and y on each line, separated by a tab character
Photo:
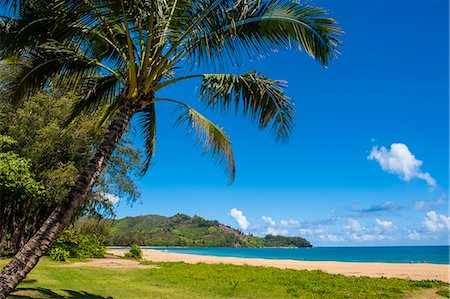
408	271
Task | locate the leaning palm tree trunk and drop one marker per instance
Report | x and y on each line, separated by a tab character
27	258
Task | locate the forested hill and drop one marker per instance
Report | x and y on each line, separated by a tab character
184	230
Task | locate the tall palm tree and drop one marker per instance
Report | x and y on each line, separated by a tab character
122	53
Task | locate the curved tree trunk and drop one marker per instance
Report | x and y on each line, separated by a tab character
28	256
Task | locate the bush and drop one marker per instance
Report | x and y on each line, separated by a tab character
134	253
77	246
6	253
444	293
59	254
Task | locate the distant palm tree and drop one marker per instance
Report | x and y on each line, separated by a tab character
121	53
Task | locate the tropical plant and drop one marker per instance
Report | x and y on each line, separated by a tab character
134	253
123	52
77	245
54	159
18	189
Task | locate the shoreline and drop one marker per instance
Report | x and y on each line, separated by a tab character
160	248
372	269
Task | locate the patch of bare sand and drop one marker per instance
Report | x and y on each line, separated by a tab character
111	262
407	271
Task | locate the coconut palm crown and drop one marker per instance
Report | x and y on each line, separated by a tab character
126	51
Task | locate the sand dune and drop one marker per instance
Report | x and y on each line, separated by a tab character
409	271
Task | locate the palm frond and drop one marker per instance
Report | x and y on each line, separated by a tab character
147	122
263	27
212	138
261	98
36	69
99	91
109	111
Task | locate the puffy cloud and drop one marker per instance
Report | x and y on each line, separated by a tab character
384	225
428	204
399	160
240	218
368	237
435	222
331	238
414	235
311	231
113	199
277	232
353	226
289	223
268	220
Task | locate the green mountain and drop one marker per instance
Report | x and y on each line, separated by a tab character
184	230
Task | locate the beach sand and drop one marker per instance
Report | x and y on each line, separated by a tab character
408	271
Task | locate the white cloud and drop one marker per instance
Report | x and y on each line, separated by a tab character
353	225
268	220
428	204
240	218
277	232
310	231
413	235
367	237
384	225
289	223
113	199
399	160
435	222
331	238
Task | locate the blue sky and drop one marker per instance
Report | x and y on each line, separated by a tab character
388	87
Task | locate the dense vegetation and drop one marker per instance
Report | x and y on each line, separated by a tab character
40	160
179	280
74	244
183	230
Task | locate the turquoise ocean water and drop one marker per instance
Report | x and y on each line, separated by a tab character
400	254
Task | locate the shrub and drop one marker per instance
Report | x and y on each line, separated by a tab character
134	253
444	293
59	254
77	246
6	253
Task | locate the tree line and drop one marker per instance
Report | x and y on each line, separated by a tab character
40	161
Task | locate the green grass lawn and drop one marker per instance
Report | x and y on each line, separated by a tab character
178	280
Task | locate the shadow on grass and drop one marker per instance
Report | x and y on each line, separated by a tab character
47	293
25	281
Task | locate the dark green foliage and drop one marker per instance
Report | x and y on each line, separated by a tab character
444	293
72	244
100	229
134	253
40	161
6	253
58	154
281	241
183	230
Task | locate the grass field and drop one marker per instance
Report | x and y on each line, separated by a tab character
178	280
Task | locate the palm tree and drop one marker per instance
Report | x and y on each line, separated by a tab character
122	53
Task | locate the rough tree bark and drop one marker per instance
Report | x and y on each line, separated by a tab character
28	256
4	223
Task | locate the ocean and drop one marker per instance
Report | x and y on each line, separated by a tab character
392	254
